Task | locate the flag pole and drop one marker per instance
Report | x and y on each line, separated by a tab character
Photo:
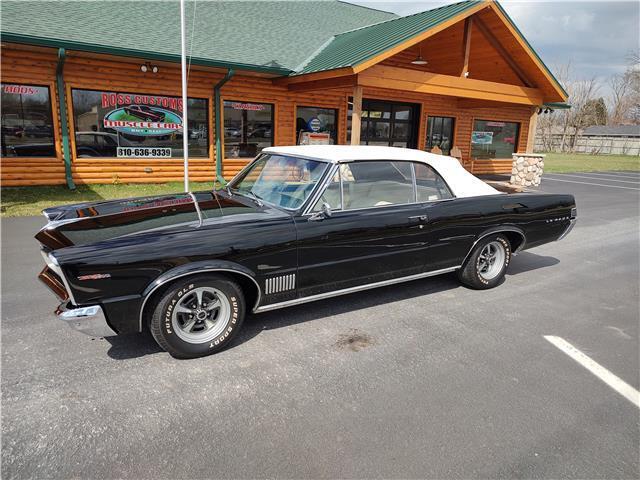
185	129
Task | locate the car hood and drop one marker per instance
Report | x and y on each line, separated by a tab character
86	223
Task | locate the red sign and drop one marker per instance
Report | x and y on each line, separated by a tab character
20	89
117	99
248	106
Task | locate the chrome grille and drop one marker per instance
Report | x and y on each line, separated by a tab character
280	284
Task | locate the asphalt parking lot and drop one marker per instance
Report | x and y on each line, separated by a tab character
421	380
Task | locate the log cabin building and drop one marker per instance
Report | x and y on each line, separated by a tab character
91	90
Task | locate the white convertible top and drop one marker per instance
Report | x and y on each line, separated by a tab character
463	183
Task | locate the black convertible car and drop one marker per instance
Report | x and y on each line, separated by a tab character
298	224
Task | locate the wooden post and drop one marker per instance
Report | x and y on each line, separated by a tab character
468	24
356	115
533	122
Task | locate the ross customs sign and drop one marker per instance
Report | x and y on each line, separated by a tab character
142	115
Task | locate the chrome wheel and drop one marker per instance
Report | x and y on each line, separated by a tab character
491	260
201	315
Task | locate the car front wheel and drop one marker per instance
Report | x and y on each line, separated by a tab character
487	264
198	316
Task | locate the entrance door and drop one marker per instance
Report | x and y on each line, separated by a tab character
387	123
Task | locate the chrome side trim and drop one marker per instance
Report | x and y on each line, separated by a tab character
572	223
195	204
345	291
196	272
88	320
493	232
55	266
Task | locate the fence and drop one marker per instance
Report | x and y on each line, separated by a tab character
594	145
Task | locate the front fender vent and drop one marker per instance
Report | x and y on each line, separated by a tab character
280	284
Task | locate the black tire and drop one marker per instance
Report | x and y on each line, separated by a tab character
477	273
187	335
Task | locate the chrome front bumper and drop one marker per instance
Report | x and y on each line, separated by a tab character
88	320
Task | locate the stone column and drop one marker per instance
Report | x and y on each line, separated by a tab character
527	169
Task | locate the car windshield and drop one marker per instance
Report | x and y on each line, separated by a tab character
281	180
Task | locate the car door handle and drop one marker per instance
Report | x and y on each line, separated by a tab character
419	219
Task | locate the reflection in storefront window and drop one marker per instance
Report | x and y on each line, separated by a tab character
27	125
440	133
112	124
316	121
493	139
248	128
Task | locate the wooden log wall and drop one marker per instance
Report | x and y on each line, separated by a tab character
33	65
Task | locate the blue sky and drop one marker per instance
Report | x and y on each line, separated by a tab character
595	36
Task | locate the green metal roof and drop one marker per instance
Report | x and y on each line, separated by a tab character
275	36
279	37
353	47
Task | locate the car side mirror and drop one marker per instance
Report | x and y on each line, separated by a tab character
326	209
325	212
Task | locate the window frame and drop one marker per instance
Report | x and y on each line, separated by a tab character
53	105
273	126
73	130
515	147
454	126
324	184
337	119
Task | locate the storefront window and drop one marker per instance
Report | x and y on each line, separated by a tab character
316	126
493	139
248	128
386	124
440	133
114	124
27	125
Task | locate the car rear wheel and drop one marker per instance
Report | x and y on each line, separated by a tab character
197	316
487	264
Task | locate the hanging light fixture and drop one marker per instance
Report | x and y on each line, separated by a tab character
419	60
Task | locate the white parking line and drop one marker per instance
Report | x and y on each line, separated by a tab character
619	174
601	179
615	382
545	177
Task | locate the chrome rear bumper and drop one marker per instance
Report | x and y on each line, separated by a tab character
572	224
88	320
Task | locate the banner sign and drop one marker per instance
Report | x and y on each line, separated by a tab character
143	121
482	138
142	115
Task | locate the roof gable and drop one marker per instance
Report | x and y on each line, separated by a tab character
356	46
364	47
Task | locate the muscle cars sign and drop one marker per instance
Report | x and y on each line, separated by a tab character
142	115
